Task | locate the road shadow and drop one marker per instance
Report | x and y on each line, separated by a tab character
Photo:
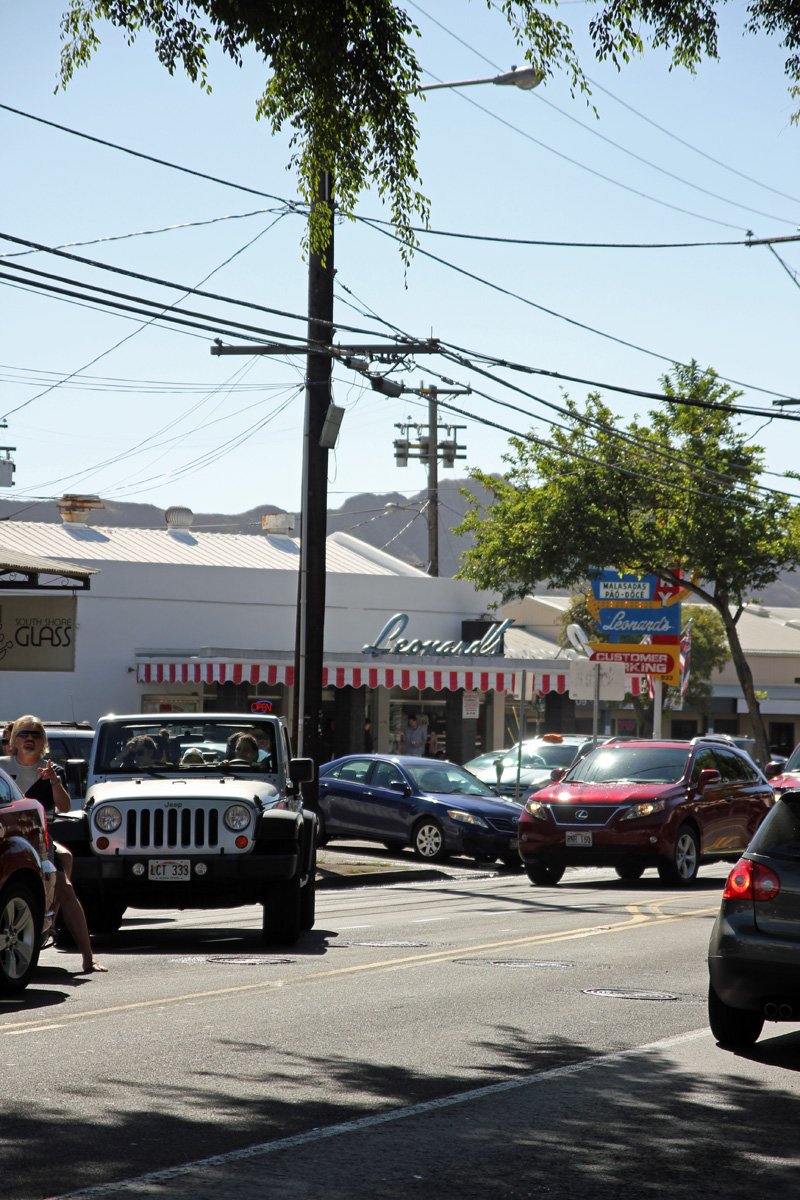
562	1121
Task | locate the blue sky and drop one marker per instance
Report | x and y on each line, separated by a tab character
155	418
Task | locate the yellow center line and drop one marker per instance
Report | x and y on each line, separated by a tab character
637	920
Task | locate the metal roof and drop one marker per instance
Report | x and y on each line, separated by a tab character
188	547
33	564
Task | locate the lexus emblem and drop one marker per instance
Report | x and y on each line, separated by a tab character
582	814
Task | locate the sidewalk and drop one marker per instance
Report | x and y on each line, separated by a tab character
354	864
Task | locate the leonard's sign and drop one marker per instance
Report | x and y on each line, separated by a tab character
37	633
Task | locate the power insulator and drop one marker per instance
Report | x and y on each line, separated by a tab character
401	452
448	450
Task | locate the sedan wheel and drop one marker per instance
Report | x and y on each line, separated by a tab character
733	1026
681	867
429	840
20	937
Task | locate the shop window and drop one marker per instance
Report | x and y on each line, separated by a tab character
728	725
683	730
781	737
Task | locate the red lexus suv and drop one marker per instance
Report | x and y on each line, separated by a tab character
634	805
27	885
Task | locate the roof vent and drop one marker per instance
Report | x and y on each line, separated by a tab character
75	509
178	517
279	523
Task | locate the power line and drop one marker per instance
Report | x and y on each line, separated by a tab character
160	162
560	316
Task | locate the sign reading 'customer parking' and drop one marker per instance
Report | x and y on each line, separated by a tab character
37	633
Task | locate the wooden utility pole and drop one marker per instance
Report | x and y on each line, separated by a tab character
311	579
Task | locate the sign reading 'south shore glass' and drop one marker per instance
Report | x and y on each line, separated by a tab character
390	641
37	633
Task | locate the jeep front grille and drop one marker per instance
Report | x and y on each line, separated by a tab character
190	827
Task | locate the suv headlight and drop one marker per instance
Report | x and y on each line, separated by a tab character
469	818
237	817
648	809
536	809
108	818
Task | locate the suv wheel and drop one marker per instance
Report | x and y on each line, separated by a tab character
733	1026
20	936
680	869
629	871
542	875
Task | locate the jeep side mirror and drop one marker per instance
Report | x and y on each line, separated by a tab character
77	772
301	770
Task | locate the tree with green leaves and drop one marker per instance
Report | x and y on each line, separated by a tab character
679	498
340	73
710	652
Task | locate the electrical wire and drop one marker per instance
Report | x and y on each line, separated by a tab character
496	287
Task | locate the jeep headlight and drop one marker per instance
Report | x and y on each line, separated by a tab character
648	809
237	817
108	818
456	814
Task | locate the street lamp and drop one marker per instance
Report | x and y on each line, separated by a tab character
526	78
311	576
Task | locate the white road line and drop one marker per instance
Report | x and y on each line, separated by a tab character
428	920
98	1191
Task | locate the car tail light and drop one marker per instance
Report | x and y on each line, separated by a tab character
751	881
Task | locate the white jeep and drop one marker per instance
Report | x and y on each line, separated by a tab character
194	811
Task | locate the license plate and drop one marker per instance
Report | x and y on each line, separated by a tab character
169	868
584	840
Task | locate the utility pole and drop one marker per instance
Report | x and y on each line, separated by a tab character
433	482
314	524
427	449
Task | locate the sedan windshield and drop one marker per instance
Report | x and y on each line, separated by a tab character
633	764
446	778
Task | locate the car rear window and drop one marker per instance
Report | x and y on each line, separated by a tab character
779	834
635	764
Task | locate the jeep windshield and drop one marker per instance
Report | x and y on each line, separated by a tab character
149	746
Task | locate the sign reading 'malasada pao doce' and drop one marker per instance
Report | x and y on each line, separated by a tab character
37	633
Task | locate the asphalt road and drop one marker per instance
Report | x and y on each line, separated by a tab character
452	1039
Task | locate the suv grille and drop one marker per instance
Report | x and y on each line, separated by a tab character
599	814
155	827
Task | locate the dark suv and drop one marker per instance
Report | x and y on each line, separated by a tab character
27	886
633	805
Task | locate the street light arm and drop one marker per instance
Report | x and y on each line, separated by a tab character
526	78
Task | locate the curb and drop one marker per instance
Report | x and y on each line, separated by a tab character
332	879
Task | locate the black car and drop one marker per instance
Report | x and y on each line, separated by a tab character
434	806
754	955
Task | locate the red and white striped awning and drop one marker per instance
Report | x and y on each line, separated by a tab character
332	676
349	676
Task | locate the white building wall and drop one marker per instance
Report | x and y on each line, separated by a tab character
176	608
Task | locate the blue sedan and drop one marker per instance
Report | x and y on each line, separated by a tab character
436	807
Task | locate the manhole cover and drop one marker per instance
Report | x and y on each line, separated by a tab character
391	945
247	960
626	994
517	963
